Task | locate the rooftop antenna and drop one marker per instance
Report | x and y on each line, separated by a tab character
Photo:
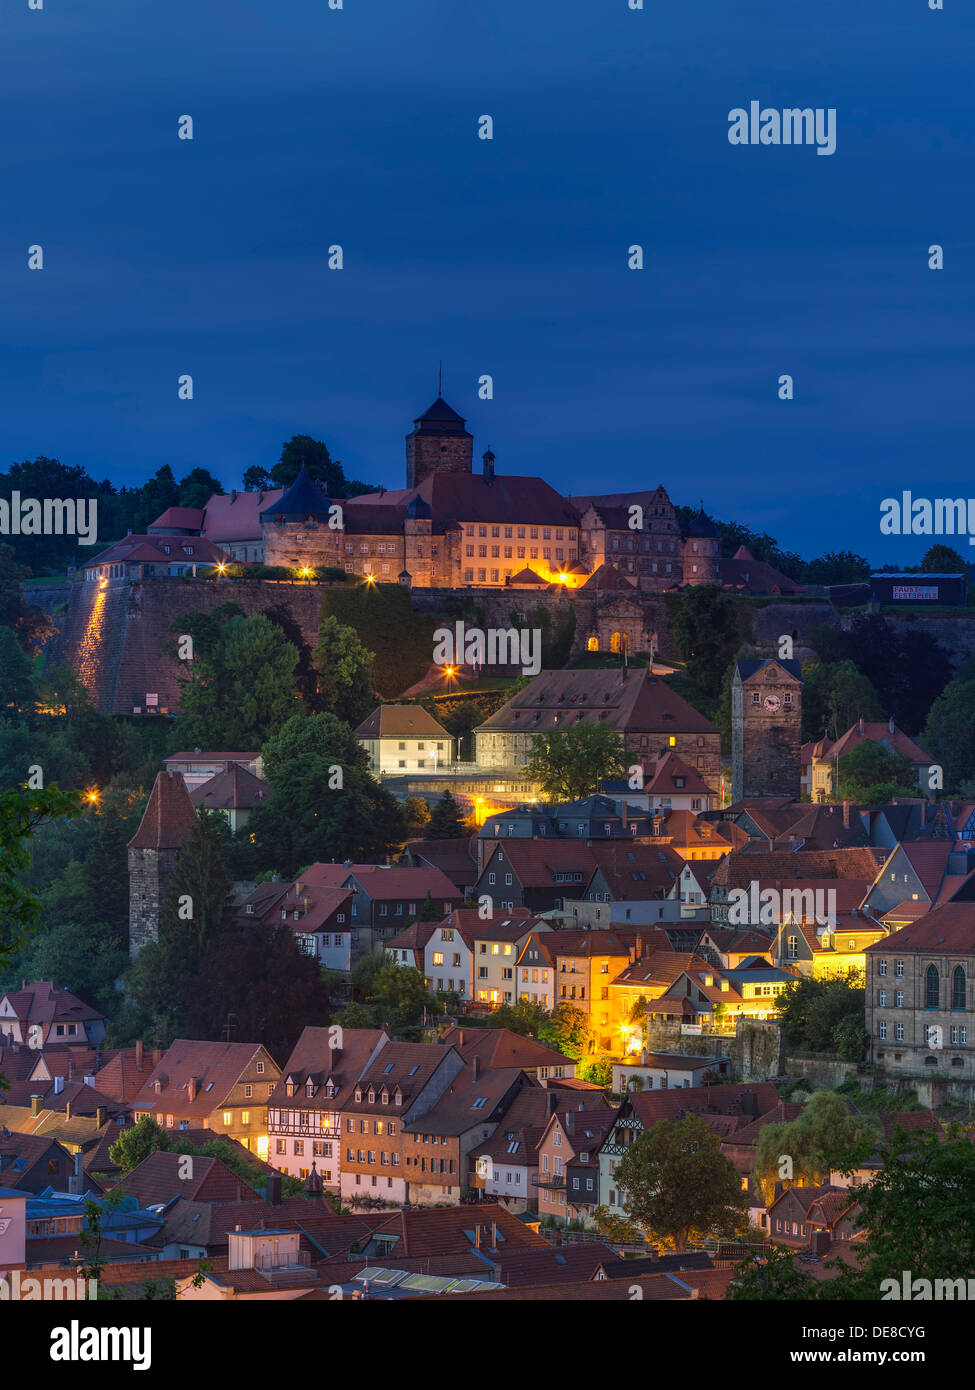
440	380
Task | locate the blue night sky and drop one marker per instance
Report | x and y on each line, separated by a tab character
508	257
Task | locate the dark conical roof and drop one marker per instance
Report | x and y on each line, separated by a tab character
702	525
313	1182
440	418
303	498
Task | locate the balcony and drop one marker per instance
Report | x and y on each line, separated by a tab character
552	1181
297	1267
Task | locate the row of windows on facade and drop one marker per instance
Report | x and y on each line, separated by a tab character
959	1036
757	695
561	533
932	986
532	553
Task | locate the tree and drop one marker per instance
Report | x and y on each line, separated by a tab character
835	695
316	814
677	1185
87	958
241	688
346	686
918	1214
811	1010
196	489
30	625
21	812
814	1143
942	559
568	1030
446	820
313	736
135	1144
16	676
257	479
417	814
302	450
949	734
837	567
708	631
871	773
570	763
772	1276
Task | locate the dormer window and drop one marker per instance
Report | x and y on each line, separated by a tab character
290	1088
372	1096
329	1090
397	1097
309	1088
358	1093
384	1096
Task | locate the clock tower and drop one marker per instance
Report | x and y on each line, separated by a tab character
766	728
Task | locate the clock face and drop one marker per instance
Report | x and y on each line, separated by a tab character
772	703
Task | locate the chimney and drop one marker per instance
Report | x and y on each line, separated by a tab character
860	725
749	1103
156	1056
274	1189
476	1067
35	1105
460	1039
138	1055
58	1085
570	1123
191	1087
551	1103
639	947
488	467
67	1110
494	1235
624	812
101	1116
632	953
846	815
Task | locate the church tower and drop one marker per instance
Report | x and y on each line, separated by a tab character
766	729
438	443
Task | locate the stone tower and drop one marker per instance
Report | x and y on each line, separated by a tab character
153	852
296	529
766	728
702	551
438	443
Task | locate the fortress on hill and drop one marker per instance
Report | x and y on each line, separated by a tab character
509	540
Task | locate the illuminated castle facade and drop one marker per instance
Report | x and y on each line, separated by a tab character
452	528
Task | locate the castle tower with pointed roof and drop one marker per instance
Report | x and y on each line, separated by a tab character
153	852
438	443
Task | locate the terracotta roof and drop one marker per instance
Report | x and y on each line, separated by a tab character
630	701
162	1176
316	1058
652	1106
215	1067
880	732
608	579
948	930
43	1001
392	721
168	816
499	1047
740	868
149	550
121	1079
237	517
179	518
445	1230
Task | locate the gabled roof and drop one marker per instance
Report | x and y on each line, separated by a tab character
162	1176
234	789
216	1067
398	721
879	731
42	1001
499	1047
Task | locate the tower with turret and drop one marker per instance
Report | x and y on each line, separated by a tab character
702	551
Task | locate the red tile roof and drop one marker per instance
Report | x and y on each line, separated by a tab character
168	816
